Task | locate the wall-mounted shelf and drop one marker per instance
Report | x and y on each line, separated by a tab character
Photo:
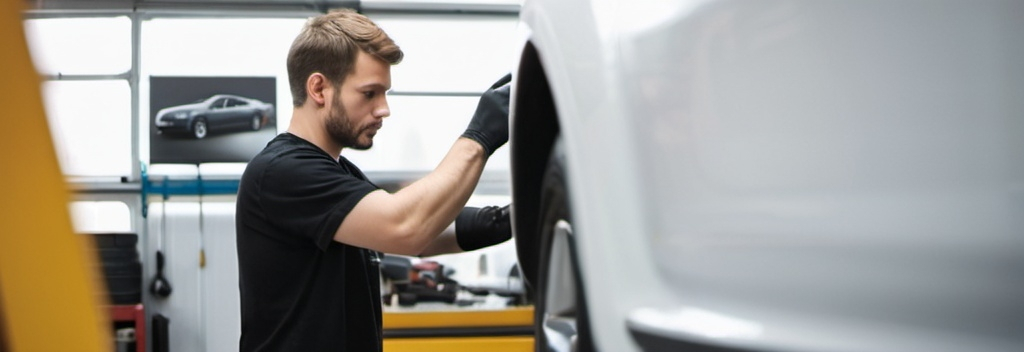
197	186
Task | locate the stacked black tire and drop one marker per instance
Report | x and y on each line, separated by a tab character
121	267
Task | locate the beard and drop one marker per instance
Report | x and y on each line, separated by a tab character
341	129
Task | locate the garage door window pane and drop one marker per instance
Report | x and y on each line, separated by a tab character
90	122
80	45
418	134
217	47
450	53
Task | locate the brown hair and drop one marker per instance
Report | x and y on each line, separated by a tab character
328	44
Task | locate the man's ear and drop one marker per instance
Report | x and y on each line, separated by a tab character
316	85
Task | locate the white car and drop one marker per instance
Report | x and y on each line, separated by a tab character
771	175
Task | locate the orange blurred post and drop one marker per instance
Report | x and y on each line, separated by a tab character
49	290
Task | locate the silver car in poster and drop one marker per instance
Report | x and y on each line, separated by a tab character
771	175
221	112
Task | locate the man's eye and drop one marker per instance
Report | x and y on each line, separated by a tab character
370	94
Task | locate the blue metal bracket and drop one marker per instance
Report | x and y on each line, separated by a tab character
193	187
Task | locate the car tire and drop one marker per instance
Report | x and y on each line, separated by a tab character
257	122
560	312
199	128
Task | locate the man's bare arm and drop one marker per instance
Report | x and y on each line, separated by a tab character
473	229
407	221
445	243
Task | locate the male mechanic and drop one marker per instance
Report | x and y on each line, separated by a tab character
310	225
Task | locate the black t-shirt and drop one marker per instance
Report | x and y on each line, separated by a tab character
300	289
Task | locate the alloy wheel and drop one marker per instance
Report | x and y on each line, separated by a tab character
199	129
560	318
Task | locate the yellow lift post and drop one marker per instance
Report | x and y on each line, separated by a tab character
49	289
505	330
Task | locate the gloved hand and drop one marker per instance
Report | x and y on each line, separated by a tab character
477	228
489	125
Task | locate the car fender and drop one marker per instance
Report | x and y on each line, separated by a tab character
194	116
576	50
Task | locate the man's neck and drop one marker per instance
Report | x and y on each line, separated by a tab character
304	126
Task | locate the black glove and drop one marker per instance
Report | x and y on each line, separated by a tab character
489	126
477	228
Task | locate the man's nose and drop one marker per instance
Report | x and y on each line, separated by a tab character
383	110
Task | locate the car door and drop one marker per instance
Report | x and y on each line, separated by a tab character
217	116
237	112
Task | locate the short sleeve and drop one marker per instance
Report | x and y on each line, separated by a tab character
307	194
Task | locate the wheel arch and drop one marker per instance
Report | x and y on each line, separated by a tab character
534	128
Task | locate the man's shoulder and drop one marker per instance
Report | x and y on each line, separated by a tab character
281	155
286	147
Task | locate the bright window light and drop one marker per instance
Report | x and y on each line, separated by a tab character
90	122
101	217
450	53
217	47
80	45
417	135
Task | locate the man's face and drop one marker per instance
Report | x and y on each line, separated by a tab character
359	107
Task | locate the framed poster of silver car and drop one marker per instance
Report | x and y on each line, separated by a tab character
210	119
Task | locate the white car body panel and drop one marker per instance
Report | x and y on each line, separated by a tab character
794	175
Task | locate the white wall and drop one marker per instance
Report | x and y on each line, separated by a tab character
203	309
